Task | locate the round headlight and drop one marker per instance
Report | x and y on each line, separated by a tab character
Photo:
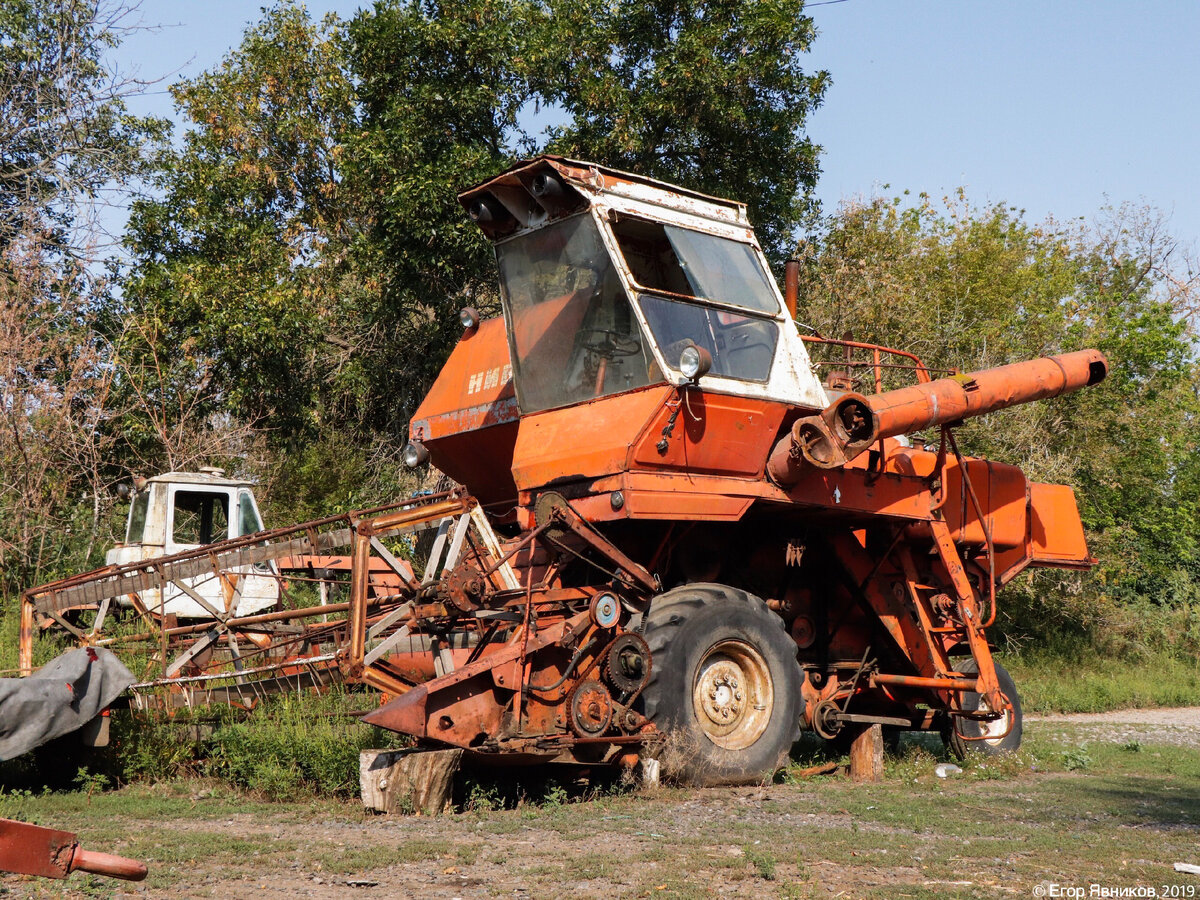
469	317
415	454
694	361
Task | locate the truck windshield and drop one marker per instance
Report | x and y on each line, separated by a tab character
137	518
742	347
572	330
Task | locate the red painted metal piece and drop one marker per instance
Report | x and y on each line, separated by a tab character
33	850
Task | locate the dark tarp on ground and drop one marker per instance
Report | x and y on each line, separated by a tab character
61	697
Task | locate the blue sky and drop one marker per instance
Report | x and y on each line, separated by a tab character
1056	107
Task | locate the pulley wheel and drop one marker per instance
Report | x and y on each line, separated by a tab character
591	709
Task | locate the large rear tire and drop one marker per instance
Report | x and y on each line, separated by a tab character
724	685
993	738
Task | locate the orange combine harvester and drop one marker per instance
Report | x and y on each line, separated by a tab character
703	537
668	522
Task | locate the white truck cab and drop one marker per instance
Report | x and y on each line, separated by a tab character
180	511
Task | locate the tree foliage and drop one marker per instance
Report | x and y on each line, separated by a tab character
710	95
240	256
969	288
306	252
439	88
66	140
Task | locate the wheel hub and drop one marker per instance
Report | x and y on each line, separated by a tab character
722	695
732	695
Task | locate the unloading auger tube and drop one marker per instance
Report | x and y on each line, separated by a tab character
852	423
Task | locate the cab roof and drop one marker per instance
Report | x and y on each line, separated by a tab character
534	191
210	479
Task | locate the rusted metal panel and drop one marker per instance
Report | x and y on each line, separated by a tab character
588	440
33	850
709	433
473	390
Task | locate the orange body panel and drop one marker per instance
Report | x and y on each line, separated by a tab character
474	391
713	434
1001	490
1057	532
583	442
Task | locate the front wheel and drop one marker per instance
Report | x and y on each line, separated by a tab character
994	737
725	685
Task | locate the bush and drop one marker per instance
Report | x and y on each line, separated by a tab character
287	747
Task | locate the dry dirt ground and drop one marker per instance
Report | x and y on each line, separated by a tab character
1110	801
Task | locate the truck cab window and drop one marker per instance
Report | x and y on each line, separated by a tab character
248	520
200	518
137	518
685	263
681	270
573	333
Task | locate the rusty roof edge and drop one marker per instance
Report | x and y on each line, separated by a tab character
581	179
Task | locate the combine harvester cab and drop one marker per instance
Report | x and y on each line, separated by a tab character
706	540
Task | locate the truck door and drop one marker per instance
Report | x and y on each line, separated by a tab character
196	516
260	586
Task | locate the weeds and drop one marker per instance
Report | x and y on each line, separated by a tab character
1077	758
1081	673
762	861
91	782
14	804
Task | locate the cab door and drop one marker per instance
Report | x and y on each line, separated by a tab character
196	516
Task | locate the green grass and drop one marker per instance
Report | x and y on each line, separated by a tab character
289	747
1000	827
1063	676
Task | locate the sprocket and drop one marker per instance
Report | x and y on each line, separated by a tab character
591	709
628	663
463	588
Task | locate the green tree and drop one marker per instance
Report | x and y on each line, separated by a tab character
440	87
240	257
67	144
709	94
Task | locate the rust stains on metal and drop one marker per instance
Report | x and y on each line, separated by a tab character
46	852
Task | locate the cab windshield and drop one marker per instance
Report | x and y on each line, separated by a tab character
672	260
573	333
682	272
